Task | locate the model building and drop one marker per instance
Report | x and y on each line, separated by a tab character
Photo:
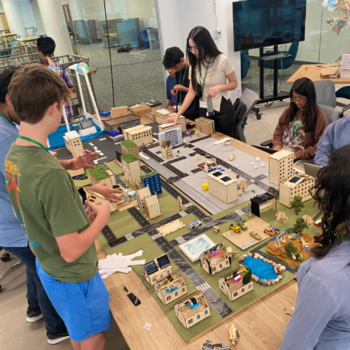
192	309
174	136
98	199
129	146
73	143
205	125
296	186
140	110
152	180
131	167
262	201
171	287
161	114
141	195
100	175
235	284
141	135
280	166
156	269
167	150
215	259
118	112
152	207
222	187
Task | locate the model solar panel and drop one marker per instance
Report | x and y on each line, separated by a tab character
217	173
294	179
226	179
163	261
151	267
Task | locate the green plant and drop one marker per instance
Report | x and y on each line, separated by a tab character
247	277
299	225
129	158
99	173
149	175
129	144
290	249
297	204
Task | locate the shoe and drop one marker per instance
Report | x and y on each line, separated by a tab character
57	337
34	315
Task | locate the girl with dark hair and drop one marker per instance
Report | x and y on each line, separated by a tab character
302	124
212	75
321	318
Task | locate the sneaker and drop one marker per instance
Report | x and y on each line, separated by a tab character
34	315
57	337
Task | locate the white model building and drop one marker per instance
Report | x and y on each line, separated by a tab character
280	166
141	195
98	199
131	167
222	186
174	136
73	142
215	259
152	207
141	135
296	186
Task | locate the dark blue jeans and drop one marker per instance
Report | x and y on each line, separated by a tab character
36	294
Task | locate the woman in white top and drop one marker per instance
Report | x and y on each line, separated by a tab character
212	75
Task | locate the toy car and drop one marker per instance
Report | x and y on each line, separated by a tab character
255	235
318	222
242	226
194	224
235	228
271	230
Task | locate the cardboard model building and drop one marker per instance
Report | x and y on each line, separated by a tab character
193	309
222	186
152	180
167	150
140	110
131	167
171	287
97	199
129	146
215	259
280	166
261	202
141	195
152	207
205	125
140	134
157	269
100	175
233	285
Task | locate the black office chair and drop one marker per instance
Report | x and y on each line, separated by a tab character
5	257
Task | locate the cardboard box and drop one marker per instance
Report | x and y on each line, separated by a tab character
140	110
205	125
118	112
331	72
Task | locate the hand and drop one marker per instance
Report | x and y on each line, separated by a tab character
278	148
90	214
214	91
107	192
53	153
173	92
83	162
173	119
294	156
179	87
101	211
171	108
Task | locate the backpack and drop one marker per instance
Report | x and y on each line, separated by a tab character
239	110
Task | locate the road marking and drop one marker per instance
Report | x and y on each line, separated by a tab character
102	139
156	236
203	287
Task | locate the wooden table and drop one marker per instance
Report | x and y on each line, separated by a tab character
314	74
7	36
261	325
27	40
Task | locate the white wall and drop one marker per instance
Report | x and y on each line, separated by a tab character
177	20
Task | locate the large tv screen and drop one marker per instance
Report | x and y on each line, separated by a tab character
261	23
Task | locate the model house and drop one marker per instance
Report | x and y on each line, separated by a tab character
141	195
100	175
131	167
192	309
171	287
222	186
152	180
205	125
174	136
215	259
129	146
152	207
232	284
141	135
140	110
73	143
118	112
157	269
261	202
161	114
296	186
167	150
280	166
98	199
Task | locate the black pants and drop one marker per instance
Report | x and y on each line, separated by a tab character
224	122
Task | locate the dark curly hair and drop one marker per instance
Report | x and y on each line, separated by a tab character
332	194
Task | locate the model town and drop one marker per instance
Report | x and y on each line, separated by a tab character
216	176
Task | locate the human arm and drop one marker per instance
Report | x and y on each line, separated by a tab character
179	87
107	192
325	147
72	88
314	298
170	106
231	85
79	161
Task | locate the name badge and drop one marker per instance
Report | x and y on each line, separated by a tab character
203	104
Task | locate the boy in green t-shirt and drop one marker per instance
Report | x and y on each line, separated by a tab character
45	201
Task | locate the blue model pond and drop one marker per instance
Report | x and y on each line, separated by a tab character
260	269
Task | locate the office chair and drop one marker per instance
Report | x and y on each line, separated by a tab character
343	92
5	257
325	93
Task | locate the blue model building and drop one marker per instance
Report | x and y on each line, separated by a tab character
152	180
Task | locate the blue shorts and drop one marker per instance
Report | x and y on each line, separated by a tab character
84	307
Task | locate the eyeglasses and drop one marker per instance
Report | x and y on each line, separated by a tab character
301	99
192	50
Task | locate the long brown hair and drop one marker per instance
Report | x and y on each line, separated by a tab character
206	49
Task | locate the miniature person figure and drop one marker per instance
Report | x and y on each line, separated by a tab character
61	232
249	210
321	318
179	202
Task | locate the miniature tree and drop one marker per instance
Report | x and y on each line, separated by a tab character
280	216
308	219
290	250
297	204
247	277
243	185
299	225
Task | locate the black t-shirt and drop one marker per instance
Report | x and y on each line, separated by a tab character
193	110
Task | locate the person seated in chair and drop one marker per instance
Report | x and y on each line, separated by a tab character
302	124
